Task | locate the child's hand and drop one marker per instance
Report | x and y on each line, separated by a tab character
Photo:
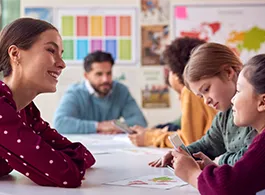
138	137
163	161
205	160
186	167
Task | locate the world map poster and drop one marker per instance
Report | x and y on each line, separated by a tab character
238	26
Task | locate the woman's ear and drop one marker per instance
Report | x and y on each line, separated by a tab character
261	103
14	54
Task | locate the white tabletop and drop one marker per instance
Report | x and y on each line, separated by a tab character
112	163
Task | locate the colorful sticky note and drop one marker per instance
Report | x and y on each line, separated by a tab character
110	26
68	49
96	45
96	25
111	47
81	49
81	25
180	12
67	25
125	49
125	25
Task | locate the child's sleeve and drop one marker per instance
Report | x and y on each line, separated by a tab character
232	157
245	177
158	138
212	143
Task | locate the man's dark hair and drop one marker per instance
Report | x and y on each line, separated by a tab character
97	56
177	54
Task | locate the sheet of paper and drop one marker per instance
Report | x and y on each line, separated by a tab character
142	151
151	181
97	152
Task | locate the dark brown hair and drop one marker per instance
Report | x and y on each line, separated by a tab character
97	56
22	33
254	72
177	54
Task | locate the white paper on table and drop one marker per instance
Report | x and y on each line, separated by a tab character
122	138
132	151
142	151
104	151
95	152
151	181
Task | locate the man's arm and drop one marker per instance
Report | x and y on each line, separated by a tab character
67	116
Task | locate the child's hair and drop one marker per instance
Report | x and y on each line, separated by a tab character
254	72
207	61
177	54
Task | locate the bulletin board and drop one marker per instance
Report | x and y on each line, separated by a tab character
232	24
90	29
85	30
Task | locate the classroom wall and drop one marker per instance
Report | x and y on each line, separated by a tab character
9	11
47	103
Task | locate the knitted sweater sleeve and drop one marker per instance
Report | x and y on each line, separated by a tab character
246	177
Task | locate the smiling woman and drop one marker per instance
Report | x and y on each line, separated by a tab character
36	61
31	61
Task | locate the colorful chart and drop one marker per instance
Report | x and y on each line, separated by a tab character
113	32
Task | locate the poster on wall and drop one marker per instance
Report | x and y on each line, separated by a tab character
130	77
154	91
154	11
41	13
154	41
85	30
239	26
